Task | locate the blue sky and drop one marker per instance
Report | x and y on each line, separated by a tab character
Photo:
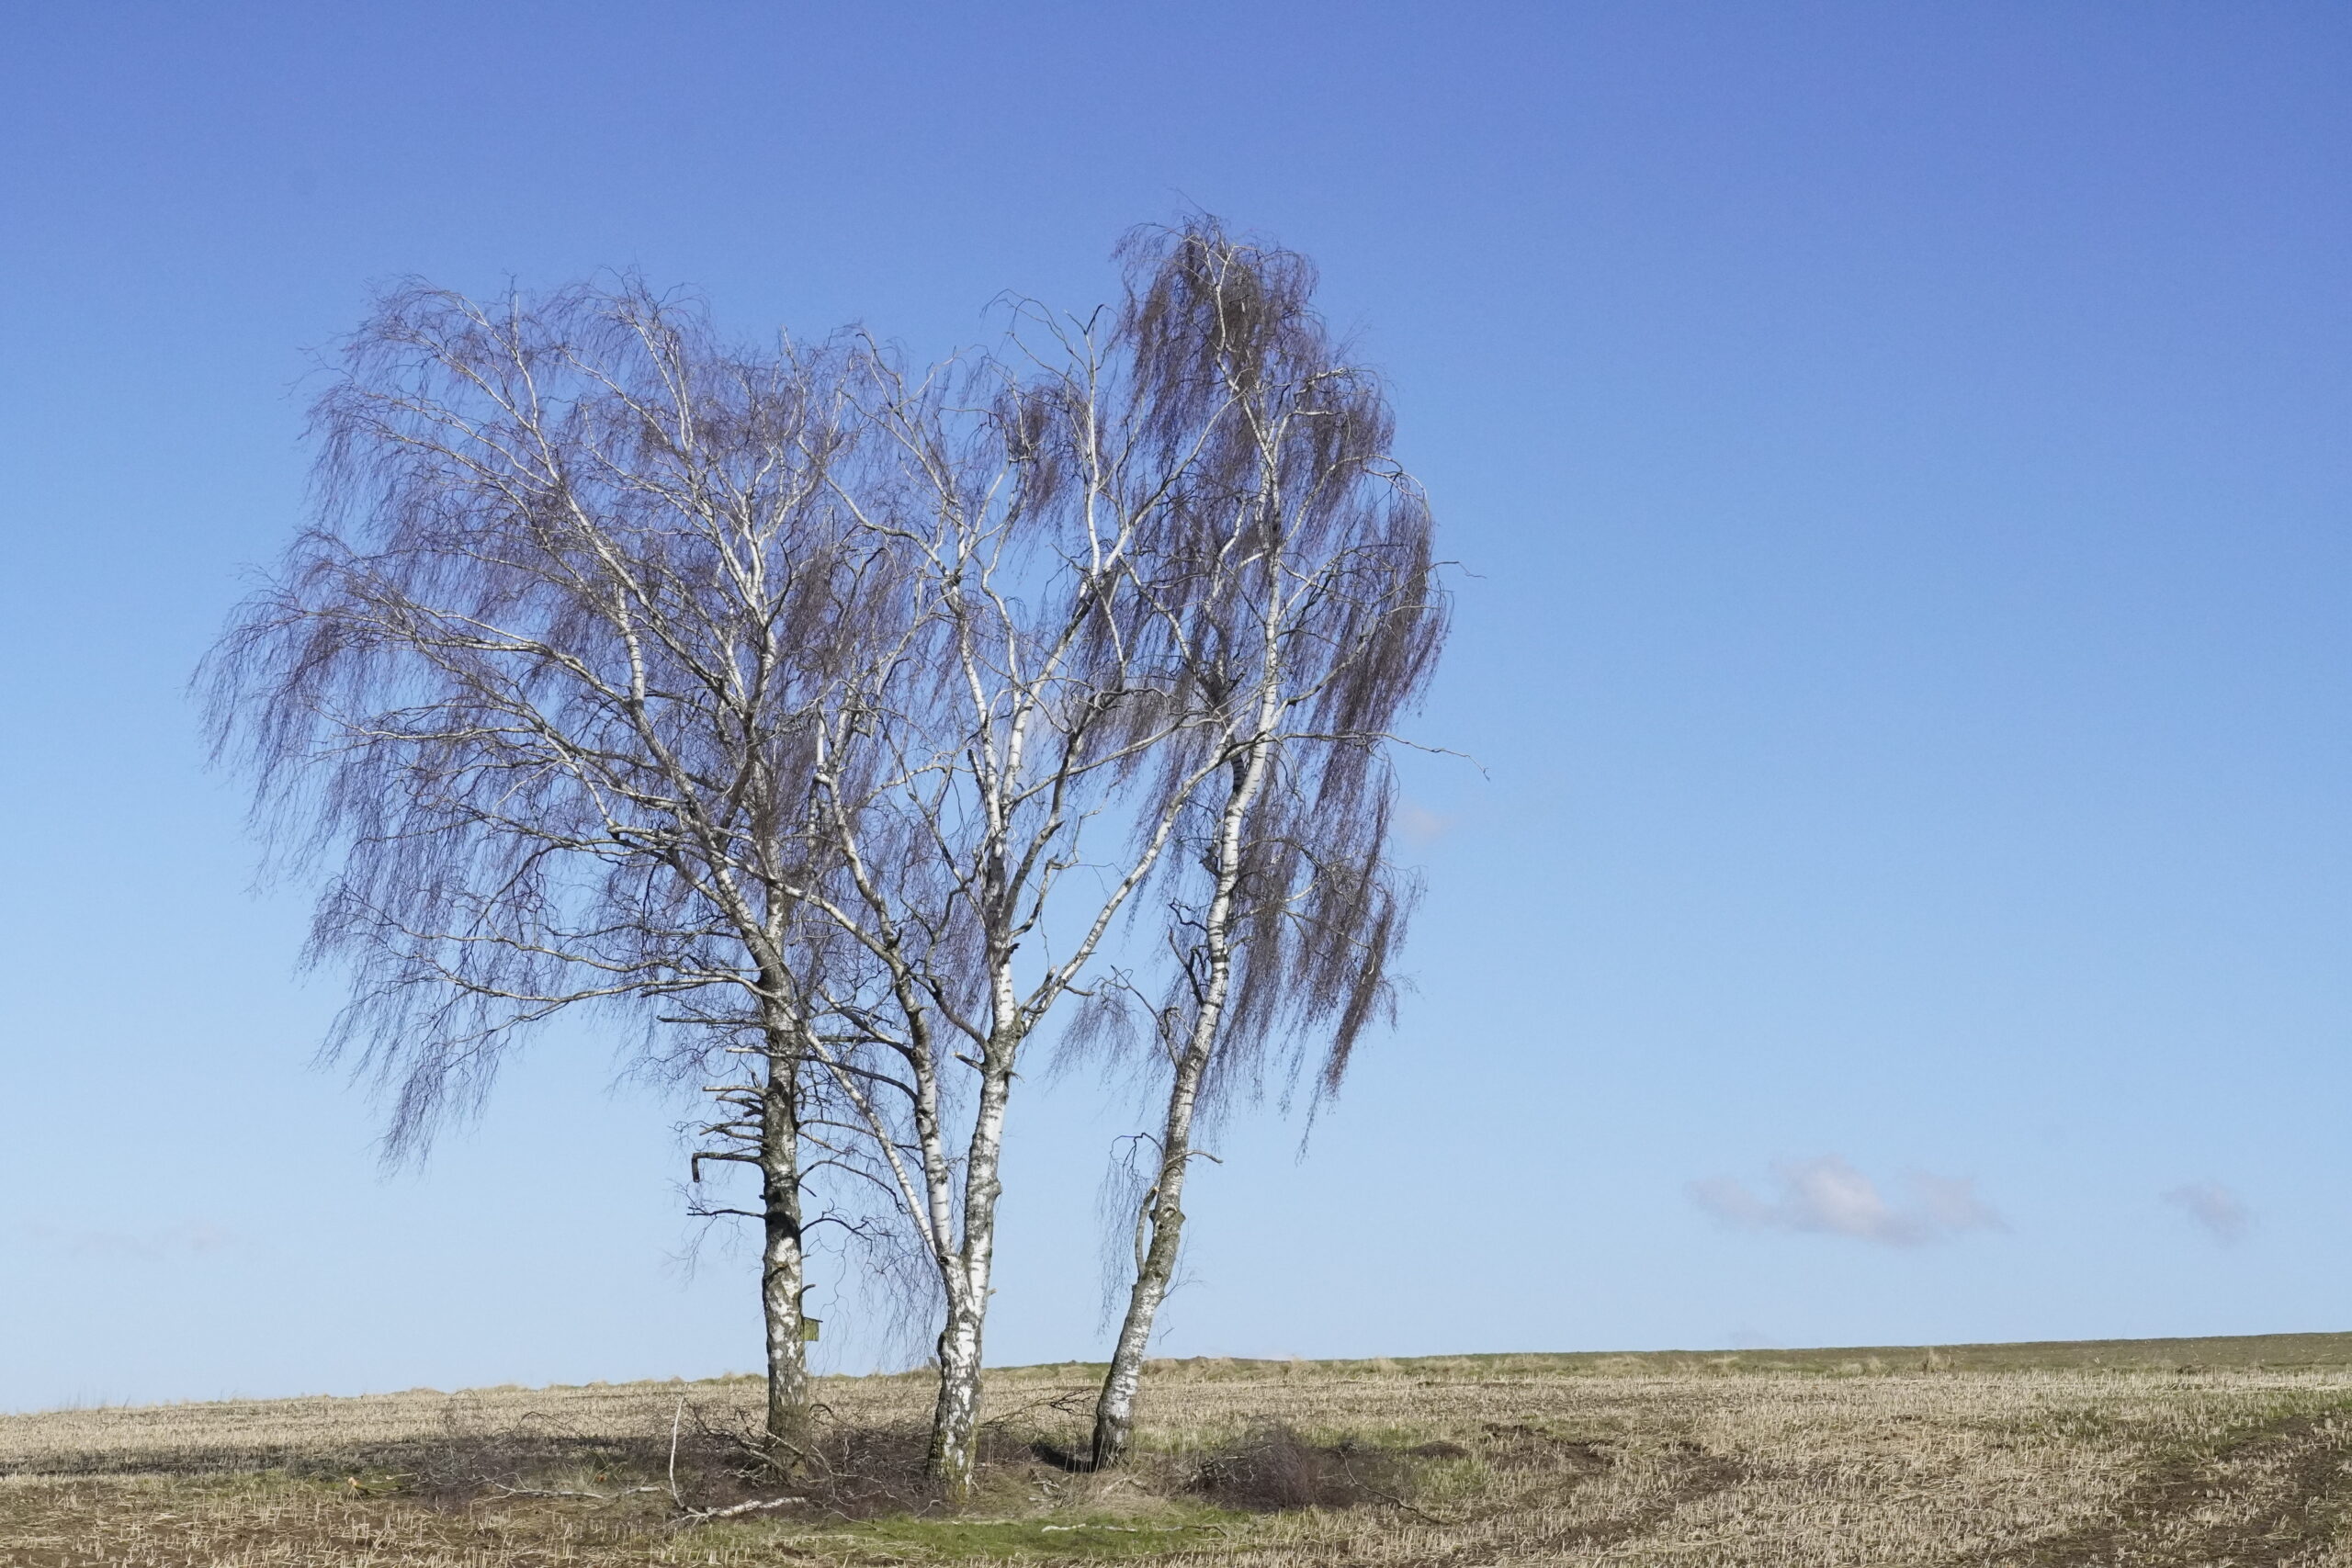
1898	460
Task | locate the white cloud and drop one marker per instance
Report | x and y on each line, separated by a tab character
1828	1196
187	1239
1419	825
2222	1211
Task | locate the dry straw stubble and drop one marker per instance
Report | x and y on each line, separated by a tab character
1690	1460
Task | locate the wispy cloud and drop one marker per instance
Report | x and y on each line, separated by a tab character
1420	824
189	1238
1828	1196
2222	1211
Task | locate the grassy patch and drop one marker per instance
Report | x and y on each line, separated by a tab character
929	1540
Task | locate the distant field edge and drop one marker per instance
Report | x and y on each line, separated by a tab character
2274	1352
2212	1352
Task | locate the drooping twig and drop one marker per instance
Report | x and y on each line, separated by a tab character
1388	1497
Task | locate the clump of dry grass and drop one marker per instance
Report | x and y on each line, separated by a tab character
1272	1469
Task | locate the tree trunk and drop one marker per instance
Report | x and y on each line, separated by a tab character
956	1422
783	1274
1155	1268
1114	1411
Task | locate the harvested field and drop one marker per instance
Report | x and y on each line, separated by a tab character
2153	1452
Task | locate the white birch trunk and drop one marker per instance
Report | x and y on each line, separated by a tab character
783	1272
956	1421
1155	1268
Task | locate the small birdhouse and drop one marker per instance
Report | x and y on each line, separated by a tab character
808	1326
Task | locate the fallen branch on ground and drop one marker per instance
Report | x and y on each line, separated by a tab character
505	1491
697	1516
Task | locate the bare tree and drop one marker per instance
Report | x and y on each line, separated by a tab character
1292	593
1177	592
824	719
992	856
550	673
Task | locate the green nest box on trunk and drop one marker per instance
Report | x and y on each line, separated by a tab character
809	1327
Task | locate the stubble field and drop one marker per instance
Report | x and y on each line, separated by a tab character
2153	1452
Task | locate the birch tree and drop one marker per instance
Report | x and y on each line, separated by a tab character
827	719
1292	594
546	680
1003	837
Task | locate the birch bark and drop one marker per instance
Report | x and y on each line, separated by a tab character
783	1266
956	1422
